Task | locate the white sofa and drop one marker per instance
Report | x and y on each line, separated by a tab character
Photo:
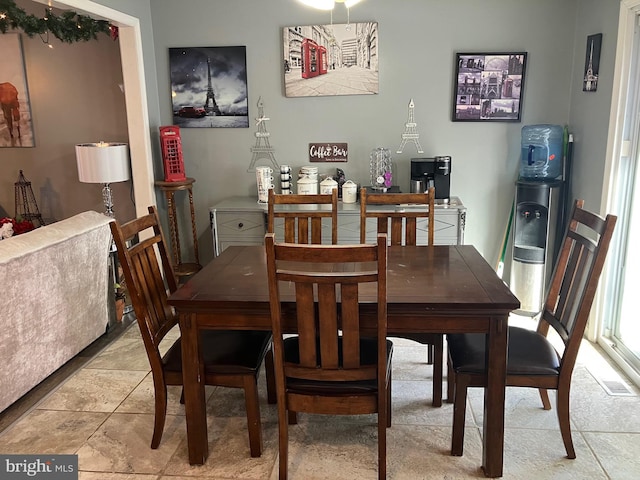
54	286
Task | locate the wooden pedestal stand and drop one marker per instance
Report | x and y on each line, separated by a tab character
170	188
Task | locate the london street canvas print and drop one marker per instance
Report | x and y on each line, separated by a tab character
15	123
488	87
338	59
209	87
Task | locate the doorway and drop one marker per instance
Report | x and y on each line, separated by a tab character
619	333
130	38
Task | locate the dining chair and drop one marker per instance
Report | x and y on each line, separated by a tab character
532	360
230	358
330	367
303	224
398	216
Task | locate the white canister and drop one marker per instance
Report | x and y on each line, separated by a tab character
307	186
349	192
328	185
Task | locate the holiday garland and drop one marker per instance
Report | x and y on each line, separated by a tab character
68	27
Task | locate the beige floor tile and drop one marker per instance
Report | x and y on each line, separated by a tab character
124	354
44	431
115	476
229	455
122	445
618	453
93	390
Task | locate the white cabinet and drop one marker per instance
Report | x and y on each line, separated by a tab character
242	221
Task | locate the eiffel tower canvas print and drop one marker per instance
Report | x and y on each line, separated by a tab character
209	87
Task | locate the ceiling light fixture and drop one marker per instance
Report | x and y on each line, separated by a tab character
328	4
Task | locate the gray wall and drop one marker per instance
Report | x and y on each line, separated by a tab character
589	112
417	43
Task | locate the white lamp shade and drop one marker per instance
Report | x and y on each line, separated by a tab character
102	162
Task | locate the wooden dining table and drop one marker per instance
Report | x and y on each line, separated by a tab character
430	289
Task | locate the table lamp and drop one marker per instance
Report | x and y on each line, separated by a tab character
103	163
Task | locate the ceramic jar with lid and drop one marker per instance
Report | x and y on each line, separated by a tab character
307	186
349	192
327	185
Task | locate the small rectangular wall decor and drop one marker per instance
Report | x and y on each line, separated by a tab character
16	129
592	63
488	87
209	87
328	152
323	60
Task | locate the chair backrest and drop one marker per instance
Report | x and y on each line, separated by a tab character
298	221
329	332
149	276
404	208
575	279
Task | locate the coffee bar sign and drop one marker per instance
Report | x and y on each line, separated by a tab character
328	152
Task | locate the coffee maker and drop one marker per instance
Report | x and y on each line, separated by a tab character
431	172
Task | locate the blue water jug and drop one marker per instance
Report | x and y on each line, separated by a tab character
541	156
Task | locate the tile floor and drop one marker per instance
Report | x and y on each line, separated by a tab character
104	413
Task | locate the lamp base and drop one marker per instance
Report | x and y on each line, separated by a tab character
107	198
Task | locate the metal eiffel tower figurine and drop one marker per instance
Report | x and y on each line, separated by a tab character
210	105
410	132
262	148
26	206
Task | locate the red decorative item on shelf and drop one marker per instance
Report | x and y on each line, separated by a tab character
172	154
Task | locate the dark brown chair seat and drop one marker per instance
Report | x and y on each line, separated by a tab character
230	358
530	353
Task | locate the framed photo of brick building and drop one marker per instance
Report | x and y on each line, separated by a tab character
488	87
326	60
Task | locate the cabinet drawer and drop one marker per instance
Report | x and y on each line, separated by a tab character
240	223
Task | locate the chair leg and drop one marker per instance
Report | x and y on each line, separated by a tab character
292	417
270	377
160	413
389	401
182	397
544	396
437	372
450	382
252	405
283	442
562	405
383	423
459	414
430	349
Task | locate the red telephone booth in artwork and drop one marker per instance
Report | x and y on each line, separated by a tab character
172	154
309	58
322	55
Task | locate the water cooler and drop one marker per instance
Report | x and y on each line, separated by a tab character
537	215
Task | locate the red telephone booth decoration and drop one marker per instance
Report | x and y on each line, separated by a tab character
309	58
172	154
322	56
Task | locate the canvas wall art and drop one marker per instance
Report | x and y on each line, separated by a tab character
323	60
16	129
592	63
209	87
488	87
